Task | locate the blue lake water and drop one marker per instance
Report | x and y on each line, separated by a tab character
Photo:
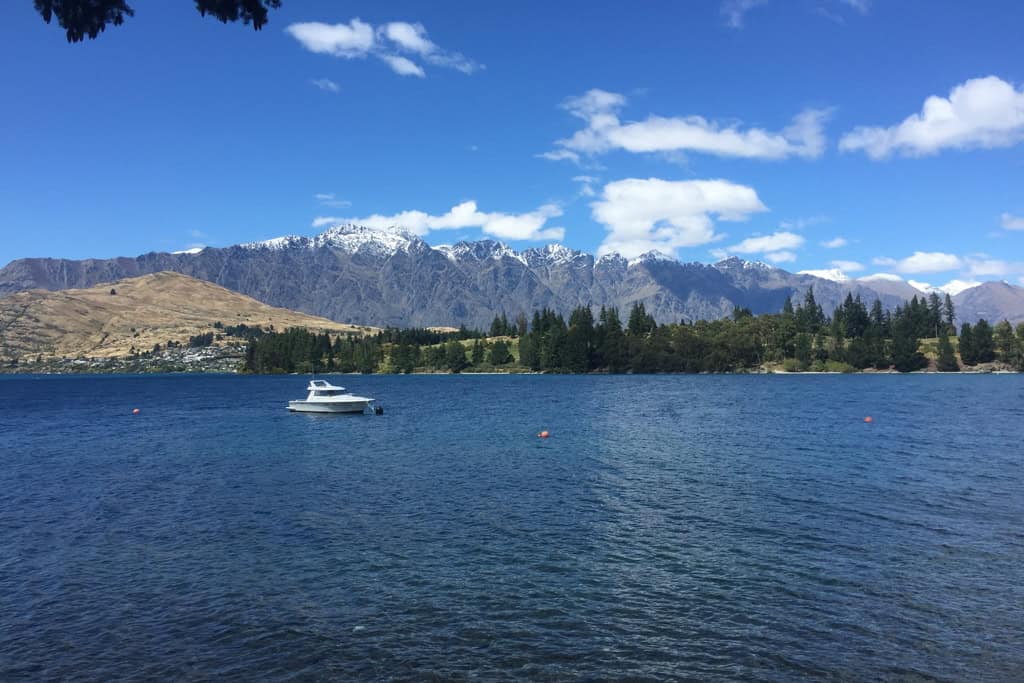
710	528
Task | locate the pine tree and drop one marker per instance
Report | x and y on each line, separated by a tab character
984	344
477	355
968	352
950	314
947	359
455	356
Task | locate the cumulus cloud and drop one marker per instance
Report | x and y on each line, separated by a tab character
981	112
403	66
523	226
325	84
393	43
922	262
605	132
848	266
778	241
780	256
652	214
1011	222
835	243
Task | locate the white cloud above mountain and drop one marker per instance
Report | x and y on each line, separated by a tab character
605	132
978	113
653	214
922	262
835	243
530	226
395	43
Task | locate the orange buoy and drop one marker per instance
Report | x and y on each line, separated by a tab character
544	434
135	411
868	419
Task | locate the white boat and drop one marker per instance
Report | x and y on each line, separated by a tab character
324	397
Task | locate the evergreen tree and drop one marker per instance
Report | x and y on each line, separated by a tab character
905	354
477	355
500	354
984	344
934	314
950	313
968	352
640	323
947	359
455	356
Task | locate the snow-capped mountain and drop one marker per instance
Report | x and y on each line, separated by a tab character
357	274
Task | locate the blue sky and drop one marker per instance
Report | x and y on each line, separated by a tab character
762	129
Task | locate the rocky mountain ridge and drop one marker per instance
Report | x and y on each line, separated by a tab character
392	277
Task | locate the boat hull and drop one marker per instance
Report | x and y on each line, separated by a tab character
328	407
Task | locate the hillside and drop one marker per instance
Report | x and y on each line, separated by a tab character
145	311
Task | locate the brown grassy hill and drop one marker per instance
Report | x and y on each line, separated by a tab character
147	310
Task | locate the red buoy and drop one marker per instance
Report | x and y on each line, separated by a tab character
544	434
135	411
868	419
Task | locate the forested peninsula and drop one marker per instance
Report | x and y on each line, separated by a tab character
920	335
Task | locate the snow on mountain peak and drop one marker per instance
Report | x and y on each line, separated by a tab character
652	256
278	243
481	250
734	262
833	274
359	238
551	254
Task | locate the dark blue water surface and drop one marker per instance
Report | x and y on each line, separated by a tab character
710	528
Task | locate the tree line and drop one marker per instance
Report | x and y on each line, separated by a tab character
800	338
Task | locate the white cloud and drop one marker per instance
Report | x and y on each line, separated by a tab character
403	66
358	39
325	84
349	41
990	267
982	112
777	241
780	256
524	226
330	199
922	262
734	11
652	214
604	132
1011	222
835	243
848	266
586	185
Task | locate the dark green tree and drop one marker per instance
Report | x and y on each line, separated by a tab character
968	351
81	18
478	353
984	344
947	359
455	356
500	354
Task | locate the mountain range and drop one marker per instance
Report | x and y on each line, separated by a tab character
367	276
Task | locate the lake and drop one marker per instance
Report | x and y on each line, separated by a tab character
712	528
